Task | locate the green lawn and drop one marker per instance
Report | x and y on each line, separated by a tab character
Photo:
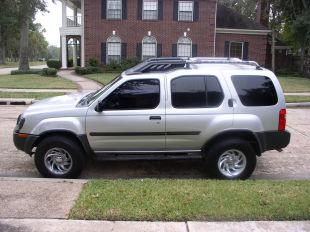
33	81
103	78
37	96
16	64
295	84
293	99
183	200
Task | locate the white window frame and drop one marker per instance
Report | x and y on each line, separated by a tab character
178	46
143	42
145	10
179	3
107	11
107	47
237	42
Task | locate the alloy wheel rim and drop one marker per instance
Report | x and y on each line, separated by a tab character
232	163
58	161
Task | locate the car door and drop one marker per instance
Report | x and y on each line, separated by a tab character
132	120
197	109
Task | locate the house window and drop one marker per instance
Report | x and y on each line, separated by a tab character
150	9
113	49
114	9
184	47
186	9
149	47
236	50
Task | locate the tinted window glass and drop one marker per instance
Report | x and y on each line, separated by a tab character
134	95
255	90
196	92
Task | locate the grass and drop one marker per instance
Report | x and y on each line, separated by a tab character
294	84
183	200
103	78
33	81
37	96
16	64
293	99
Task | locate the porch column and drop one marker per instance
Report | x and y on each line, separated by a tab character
64	52
75	16
82	51
64	13
74	52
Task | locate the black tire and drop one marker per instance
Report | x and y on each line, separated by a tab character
70	146
214	153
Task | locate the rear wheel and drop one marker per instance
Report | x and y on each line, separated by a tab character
231	159
59	157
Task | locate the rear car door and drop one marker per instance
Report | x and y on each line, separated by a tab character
133	118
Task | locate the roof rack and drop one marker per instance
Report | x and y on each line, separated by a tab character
166	64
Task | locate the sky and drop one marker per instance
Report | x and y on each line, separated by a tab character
51	21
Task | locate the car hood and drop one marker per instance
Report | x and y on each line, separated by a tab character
61	106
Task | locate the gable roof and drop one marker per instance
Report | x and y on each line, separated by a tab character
231	19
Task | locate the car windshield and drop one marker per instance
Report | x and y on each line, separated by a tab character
91	97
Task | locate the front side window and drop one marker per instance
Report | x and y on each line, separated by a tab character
236	50
114	9
196	92
114	49
184	47
150	9
186	9
149	47
134	95
255	90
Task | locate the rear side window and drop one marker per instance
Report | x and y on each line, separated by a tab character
196	92
255	90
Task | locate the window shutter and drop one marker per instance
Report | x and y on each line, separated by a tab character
139	16
103	53
159	50
226	49
194	50
160	9
175	10
196	10
124	9
174	50
103	9
139	51
246	50
124	51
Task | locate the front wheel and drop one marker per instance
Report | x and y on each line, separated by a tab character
59	157
231	159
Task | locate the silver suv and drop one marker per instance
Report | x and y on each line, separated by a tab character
223	111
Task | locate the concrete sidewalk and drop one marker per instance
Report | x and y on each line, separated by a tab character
43	225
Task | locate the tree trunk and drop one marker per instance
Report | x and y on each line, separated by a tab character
2	49
24	38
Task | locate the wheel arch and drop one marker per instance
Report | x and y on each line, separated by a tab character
247	135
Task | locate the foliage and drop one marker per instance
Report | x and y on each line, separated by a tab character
37	42
125	64
54	64
93	62
49	72
53	52
245	7
70	62
30	71
87	70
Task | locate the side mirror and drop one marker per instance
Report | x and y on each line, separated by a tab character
99	107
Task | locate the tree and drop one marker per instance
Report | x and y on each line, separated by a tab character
53	52
37	42
27	10
244	7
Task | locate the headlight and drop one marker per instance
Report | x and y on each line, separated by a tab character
20	122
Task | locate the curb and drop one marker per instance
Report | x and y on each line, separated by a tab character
41	179
17	102
298	105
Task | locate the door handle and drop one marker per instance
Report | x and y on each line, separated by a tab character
155	118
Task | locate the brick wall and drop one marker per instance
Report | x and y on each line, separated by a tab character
257	45
132	31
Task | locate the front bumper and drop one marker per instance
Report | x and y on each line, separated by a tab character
24	144
273	140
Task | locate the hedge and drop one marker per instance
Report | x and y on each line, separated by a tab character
54	64
49	72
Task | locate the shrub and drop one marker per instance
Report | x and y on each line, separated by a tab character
93	62
54	64
125	64
49	72
129	63
30	71
87	70
70	63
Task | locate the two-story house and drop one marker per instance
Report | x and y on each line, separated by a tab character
116	29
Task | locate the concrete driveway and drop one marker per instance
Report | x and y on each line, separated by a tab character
292	163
